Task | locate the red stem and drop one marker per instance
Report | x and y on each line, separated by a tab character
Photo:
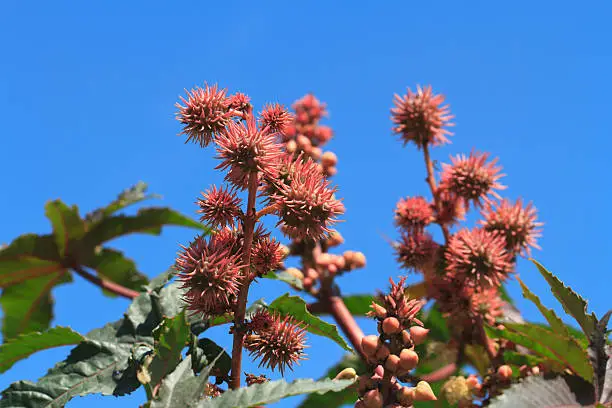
239	315
431	180
105	284
440	374
336	307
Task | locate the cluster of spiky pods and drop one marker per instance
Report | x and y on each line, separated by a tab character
463	274
391	355
216	271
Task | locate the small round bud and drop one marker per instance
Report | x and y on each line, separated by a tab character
324	259
334	239
504	372
370	344
535	370
331	171
346	374
373	399
339	262
405	396
391	326
291	146
408	359
332	269
304	143
315	153
378	310
359	260
418	334
348	258
423	392
406	339
308	282
312	274
382	353
329	159
473	382
392	363
295	272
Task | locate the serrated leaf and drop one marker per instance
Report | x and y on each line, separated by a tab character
29	256
272	391
572	303
146	221
538	392
112	265
68	227
564	350
285	277
28	306
102	364
340	398
296	306
556	324
170	337
181	388
127	197
27	344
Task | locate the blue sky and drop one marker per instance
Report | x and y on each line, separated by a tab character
86	105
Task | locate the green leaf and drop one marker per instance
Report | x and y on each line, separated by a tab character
416	291
68	227
477	355
340	398
181	388
170	337
553	320
27	344
548	344
572	303
538	392
285	277
358	305
273	391
29	256
146	221
28	306
204	351
437	325
129	196
106	362
114	266
296	307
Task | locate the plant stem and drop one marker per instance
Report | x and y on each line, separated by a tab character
105	284
431	180
266	211
440	374
487	343
243	295
346	321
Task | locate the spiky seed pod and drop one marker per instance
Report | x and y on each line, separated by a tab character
488	304
450	209
211	273
261	321
517	223
244	149
413	213
239	102
307	205
280	346
267	255
219	207
478	257
472	178
204	114
421	118
275	118
416	250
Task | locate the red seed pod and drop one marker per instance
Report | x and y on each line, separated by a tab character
391	326
308	282
378	310
312	274
303	143
332	268
315	153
